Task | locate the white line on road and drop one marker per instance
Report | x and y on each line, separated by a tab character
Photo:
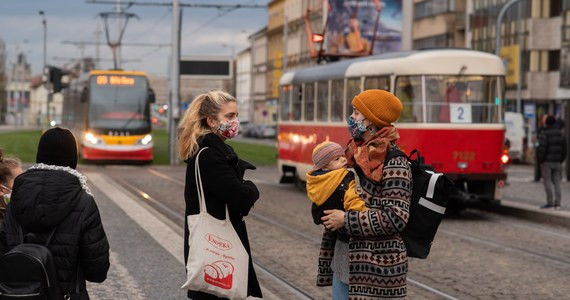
164	235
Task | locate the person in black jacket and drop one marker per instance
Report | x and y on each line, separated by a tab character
551	152
52	194
209	121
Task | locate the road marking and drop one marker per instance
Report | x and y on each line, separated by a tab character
164	235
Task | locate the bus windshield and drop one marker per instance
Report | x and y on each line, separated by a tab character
118	102
449	99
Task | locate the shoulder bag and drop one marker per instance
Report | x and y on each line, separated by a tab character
217	261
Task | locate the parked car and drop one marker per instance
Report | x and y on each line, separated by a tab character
266	131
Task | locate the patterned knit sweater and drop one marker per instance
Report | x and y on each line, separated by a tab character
377	255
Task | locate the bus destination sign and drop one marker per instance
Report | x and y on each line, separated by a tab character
115	80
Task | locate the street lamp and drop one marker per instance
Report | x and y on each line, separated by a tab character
498	45
44	23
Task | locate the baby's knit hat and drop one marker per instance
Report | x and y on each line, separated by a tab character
57	147
380	107
324	153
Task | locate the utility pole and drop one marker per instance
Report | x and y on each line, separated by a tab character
46	84
174	105
498	45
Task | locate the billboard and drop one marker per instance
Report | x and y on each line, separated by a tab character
351	25
511	59
206	67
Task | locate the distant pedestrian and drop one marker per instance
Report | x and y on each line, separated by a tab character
52	194
551	152
209	121
10	168
331	186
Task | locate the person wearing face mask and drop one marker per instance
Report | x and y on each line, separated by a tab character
211	119
378	263
10	168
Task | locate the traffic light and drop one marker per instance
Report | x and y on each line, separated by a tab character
57	77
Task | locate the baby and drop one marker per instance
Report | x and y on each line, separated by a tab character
330	185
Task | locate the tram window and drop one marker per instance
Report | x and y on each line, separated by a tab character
297	102
337	95
377	83
435	99
352	89
309	94
466	99
285	101
322	101
408	90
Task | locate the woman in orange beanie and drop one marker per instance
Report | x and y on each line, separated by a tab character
386	190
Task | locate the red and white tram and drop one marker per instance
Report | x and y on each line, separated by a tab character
453	113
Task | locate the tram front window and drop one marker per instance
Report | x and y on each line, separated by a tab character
119	107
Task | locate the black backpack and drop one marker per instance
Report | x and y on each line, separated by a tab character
28	271
429	201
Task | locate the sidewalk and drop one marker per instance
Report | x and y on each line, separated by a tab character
522	197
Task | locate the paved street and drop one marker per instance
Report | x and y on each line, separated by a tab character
146	243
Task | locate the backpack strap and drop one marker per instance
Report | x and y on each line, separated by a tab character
34	236
358	187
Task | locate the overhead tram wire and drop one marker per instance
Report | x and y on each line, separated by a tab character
195	5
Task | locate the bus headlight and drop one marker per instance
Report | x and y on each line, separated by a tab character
147	139
92	139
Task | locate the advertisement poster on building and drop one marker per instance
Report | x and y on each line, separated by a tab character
351	24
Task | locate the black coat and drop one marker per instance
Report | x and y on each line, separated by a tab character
222	179
551	145
51	196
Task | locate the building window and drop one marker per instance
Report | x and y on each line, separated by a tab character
432	8
554	60
438	41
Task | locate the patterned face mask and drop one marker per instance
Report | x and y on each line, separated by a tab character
355	128
229	129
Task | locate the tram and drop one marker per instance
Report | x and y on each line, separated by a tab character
109	112
453	113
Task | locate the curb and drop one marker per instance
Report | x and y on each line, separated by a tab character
531	213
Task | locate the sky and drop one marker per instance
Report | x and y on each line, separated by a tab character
205	31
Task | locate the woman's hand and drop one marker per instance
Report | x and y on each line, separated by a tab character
333	219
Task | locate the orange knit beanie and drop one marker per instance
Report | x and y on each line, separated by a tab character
380	107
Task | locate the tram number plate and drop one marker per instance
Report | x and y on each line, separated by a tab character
460	112
463	155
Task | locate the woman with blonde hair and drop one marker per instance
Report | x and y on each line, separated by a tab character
209	121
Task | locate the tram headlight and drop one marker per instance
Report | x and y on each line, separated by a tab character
92	139
147	139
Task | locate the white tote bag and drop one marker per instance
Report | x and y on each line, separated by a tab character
217	261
